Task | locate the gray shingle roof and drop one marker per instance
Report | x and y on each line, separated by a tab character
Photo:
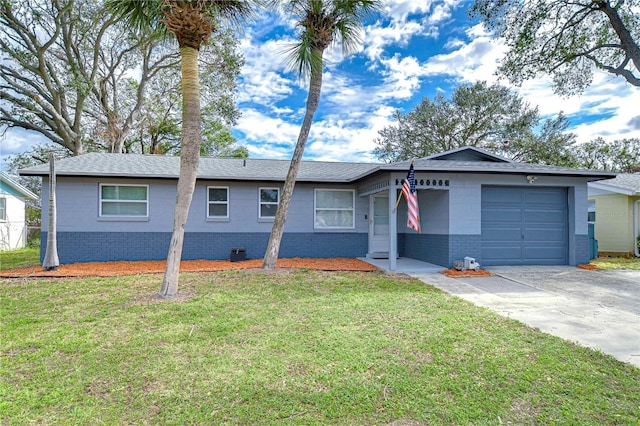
625	182
493	167
156	166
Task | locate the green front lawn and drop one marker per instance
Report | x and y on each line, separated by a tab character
617	263
300	347
29	256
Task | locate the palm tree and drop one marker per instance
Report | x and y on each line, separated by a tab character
192	22
323	23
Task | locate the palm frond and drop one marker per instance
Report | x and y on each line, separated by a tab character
325	22
231	11
142	15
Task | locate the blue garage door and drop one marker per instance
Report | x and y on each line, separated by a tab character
524	226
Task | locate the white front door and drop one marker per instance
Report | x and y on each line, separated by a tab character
379	224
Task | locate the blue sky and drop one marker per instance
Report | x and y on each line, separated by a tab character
413	49
416	48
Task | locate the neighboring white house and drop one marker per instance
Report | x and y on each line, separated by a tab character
13	229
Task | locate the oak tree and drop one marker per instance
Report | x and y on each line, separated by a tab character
482	115
566	39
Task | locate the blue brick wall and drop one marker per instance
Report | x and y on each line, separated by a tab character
110	246
439	249
107	246
582	249
432	248
461	246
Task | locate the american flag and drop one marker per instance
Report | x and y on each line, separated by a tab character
411	195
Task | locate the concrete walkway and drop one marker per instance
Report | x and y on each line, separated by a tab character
596	309
404	265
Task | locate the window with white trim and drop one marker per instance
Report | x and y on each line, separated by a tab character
268	202
334	209
124	200
3	209
218	202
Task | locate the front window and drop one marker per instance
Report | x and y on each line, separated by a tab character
3	209
218	202
334	208
269	198
124	200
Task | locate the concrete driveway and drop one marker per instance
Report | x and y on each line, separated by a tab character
597	309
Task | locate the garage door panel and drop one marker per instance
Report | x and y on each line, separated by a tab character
502	234
511	253
531	235
503	196
524	226
503	216
545	216
543	196
545	253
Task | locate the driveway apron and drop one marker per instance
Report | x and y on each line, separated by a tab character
596	309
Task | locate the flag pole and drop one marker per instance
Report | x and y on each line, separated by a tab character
398	201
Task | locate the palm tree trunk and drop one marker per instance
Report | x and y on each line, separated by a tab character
313	99
51	261
189	158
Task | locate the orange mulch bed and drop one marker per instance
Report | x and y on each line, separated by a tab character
590	267
109	269
454	273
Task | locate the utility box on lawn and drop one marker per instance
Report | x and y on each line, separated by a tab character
238	254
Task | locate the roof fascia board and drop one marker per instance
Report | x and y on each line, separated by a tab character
611	188
15	185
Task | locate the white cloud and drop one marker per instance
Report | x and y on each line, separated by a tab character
269	151
402	77
441	12
378	37
607	96
262	80
634	122
350	138
406	19
473	61
261	128
331	142
16	140
453	43
479	58
400	10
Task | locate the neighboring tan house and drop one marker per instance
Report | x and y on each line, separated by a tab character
13	229
472	203
616	203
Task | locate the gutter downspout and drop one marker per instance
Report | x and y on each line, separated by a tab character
636	249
